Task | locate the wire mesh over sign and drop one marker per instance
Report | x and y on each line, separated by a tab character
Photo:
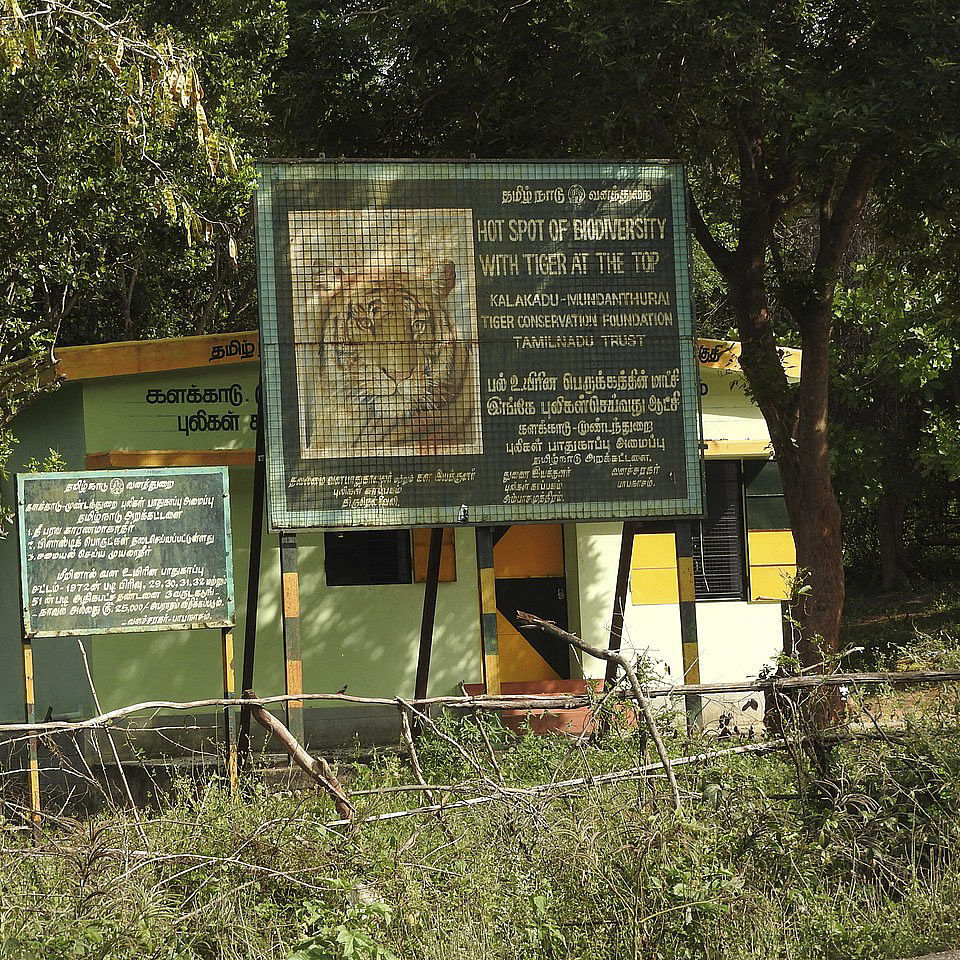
476	342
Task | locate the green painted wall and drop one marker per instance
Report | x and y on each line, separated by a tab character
368	636
365	636
54	421
119	414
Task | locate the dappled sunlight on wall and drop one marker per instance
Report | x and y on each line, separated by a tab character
364	636
368	636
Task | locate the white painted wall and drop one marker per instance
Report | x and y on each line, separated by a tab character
737	639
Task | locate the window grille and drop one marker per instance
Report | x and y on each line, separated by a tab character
718	540
367	557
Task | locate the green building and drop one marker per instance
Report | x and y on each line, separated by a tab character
192	401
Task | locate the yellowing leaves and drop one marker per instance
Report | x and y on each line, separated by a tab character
19	38
192	224
196	91
155	78
169	200
30	44
203	128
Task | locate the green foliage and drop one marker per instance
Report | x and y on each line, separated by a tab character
896	406
788	117
343	933
51	463
891	630
124	180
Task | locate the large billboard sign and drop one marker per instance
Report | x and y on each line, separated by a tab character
476	342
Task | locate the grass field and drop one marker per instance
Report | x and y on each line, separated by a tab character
772	855
766	859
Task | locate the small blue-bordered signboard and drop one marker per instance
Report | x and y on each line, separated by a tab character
125	551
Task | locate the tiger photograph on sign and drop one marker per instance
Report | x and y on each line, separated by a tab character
386	332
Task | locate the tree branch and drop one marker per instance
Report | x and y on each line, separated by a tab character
723	258
614	656
839	218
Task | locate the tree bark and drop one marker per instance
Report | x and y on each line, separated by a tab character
796	417
797	421
895	568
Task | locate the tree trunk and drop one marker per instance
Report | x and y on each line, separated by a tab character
798	430
796	416
895	568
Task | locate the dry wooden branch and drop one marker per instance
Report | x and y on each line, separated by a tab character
317	767
614	656
502	701
491	753
471	760
412	747
633	773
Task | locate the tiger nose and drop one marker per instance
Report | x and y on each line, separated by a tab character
398	376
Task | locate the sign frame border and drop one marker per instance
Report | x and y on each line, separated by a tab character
270	171
153	628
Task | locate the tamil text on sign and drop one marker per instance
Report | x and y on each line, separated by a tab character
134	550
476	342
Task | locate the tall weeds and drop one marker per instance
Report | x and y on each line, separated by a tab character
760	863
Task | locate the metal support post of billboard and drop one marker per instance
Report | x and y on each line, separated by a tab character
620	597
253	589
688	621
488	610
293	674
30	709
429	613
229	692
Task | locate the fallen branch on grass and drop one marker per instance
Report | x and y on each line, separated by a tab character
317	767
614	656
505	793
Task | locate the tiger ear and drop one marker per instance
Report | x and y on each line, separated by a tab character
447	277
329	277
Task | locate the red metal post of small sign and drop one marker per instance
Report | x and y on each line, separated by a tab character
290	590
620	596
429	613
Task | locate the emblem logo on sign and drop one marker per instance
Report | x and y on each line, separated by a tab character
116	486
576	194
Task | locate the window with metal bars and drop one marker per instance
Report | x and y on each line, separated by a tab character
366	557
718	539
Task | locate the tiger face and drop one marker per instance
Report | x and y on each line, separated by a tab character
390	359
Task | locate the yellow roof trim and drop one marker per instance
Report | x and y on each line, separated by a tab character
154	356
131	357
735	449
725	355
